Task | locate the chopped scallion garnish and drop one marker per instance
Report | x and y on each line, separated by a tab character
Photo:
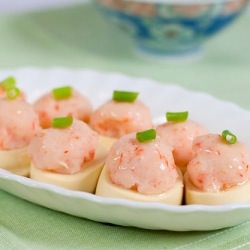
146	136
13	93
125	96
177	116
229	137
62	92
8	83
62	122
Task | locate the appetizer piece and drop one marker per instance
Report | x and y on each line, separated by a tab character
179	132
63	101
67	155
219	172
18	125
140	167
122	115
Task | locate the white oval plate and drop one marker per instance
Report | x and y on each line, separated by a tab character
216	115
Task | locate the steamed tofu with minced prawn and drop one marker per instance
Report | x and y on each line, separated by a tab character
69	155
219	171
18	125
140	167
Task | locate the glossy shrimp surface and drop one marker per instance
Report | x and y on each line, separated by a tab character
18	124
181	136
64	151
115	119
49	108
218	165
147	168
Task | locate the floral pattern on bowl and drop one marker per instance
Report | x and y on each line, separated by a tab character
171	29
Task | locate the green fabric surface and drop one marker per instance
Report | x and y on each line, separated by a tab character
79	37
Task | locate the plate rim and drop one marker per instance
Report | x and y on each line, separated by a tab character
120	202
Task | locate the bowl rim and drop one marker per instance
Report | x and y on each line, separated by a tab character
186	2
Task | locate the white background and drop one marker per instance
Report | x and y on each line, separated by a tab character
14	6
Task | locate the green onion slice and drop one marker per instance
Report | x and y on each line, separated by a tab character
177	116
125	96
13	93
229	137
9	83
62	122
62	92
146	136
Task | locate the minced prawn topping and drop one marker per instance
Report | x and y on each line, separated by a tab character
115	119
18	124
48	108
181	136
147	168
217	165
64	151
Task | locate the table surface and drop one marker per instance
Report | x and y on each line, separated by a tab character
16	6
78	37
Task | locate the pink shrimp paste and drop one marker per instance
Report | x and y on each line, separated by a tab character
115	119
64	151
217	165
147	168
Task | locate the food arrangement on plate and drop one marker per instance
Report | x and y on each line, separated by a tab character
18	125
117	151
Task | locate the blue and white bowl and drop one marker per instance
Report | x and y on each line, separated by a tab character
172	27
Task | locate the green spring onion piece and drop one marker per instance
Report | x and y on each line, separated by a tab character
62	92
146	136
177	116
62	122
229	137
13	93
9	83
125	96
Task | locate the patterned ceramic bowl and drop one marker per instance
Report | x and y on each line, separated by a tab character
171	27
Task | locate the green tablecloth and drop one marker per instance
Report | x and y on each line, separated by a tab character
79	37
